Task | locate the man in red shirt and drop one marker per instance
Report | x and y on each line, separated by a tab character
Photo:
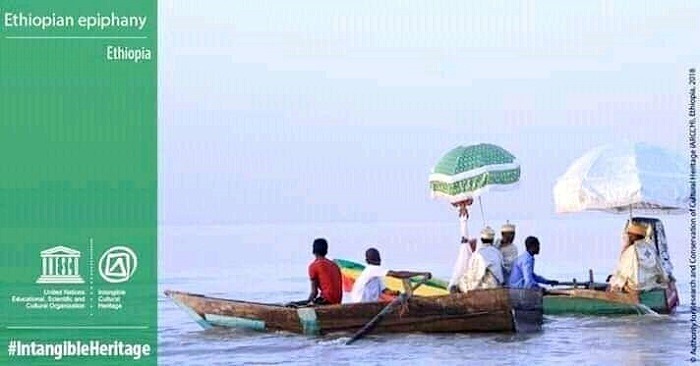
326	279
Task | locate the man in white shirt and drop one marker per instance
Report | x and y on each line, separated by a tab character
485	266
369	286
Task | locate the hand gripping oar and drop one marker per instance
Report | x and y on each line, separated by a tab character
388	309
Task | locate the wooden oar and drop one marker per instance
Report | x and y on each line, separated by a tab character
590	284
581	284
388	309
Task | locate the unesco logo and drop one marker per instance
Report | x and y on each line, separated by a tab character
118	264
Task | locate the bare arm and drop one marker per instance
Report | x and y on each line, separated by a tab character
314	290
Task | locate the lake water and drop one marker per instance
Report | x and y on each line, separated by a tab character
268	263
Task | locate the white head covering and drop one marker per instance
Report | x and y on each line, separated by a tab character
508	228
487	233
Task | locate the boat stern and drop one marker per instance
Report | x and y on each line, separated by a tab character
527	309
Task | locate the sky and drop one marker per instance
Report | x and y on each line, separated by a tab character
318	111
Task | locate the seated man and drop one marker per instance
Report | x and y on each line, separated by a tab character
466	249
507	247
523	272
369	286
485	266
326	279
639	267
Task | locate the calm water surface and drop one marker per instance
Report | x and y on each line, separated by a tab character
268	263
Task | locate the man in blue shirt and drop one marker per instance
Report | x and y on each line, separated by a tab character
523	273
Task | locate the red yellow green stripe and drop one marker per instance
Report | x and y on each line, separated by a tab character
351	270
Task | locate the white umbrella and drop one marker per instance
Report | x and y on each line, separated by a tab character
625	177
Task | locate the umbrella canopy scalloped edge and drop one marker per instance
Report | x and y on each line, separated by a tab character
660	189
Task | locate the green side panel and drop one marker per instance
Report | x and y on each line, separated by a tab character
564	305
560	305
197	318
309	321
656	300
235	322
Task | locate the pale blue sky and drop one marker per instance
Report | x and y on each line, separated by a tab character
305	111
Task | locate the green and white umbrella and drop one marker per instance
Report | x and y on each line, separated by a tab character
467	172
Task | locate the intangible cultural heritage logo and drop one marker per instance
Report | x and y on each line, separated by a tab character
117	264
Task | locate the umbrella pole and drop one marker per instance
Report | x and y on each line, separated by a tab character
481	207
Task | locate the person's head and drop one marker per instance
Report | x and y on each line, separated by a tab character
372	257
507	233
320	247
636	231
532	245
487	235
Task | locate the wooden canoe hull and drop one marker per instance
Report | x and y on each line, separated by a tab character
497	310
594	302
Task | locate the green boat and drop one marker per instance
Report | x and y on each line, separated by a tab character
587	298
593	299
599	302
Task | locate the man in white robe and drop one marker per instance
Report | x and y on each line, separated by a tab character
507	247
485	266
466	249
639	267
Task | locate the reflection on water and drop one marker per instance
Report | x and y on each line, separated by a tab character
276	273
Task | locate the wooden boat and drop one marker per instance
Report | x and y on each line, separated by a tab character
592	299
595	300
496	310
601	302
